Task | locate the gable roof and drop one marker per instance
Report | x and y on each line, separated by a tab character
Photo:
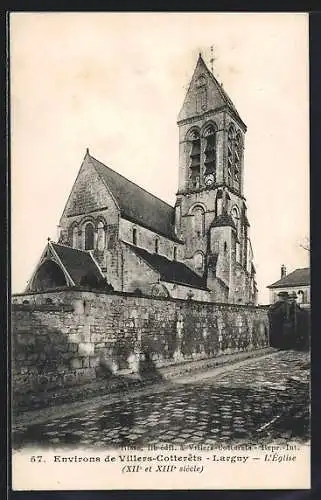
79	264
224	97
135	203
299	277
171	271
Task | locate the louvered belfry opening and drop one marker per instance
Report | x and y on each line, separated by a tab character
230	155
210	150
195	165
237	159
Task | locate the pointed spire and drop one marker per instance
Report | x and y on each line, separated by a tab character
200	58
216	91
87	151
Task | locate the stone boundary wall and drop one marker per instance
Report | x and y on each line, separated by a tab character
70	337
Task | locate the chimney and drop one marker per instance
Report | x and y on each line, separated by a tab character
283	271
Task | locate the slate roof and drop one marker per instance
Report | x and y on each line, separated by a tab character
223	94
223	220
170	270
78	263
136	204
299	277
228	101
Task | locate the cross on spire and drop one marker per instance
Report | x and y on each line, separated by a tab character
212	58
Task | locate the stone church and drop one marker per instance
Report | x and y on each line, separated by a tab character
115	235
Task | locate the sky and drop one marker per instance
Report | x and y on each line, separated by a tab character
115	82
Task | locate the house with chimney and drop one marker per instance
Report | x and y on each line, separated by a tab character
295	284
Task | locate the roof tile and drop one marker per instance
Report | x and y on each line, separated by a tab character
79	264
299	277
169	270
136	204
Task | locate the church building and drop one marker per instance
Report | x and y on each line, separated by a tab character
115	235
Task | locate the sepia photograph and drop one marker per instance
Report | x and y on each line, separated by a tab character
160	251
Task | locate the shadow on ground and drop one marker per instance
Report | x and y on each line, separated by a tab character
191	414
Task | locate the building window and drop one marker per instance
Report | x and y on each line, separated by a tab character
237	158
195	159
198	221
236	219
134	236
234	157
175	253
219	203
89	236
230	154
210	151
156	245
100	236
198	261
238	252
225	247
75	237
300	297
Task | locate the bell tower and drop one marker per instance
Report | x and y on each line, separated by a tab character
210	203
211	136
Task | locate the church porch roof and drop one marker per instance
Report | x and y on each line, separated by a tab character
79	264
61	265
169	270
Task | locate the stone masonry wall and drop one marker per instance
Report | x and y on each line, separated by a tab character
64	338
146	239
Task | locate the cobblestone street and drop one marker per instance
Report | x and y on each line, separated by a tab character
255	401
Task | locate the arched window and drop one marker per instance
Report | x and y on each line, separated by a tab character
89	236
198	221
156	245
175	253
134	236
210	151
230	154
300	297
237	158
198	261
236	218
225	247
75	237
219	203
226	201
178	213
100	236
238	252
195	159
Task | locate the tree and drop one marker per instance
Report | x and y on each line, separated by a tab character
305	244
